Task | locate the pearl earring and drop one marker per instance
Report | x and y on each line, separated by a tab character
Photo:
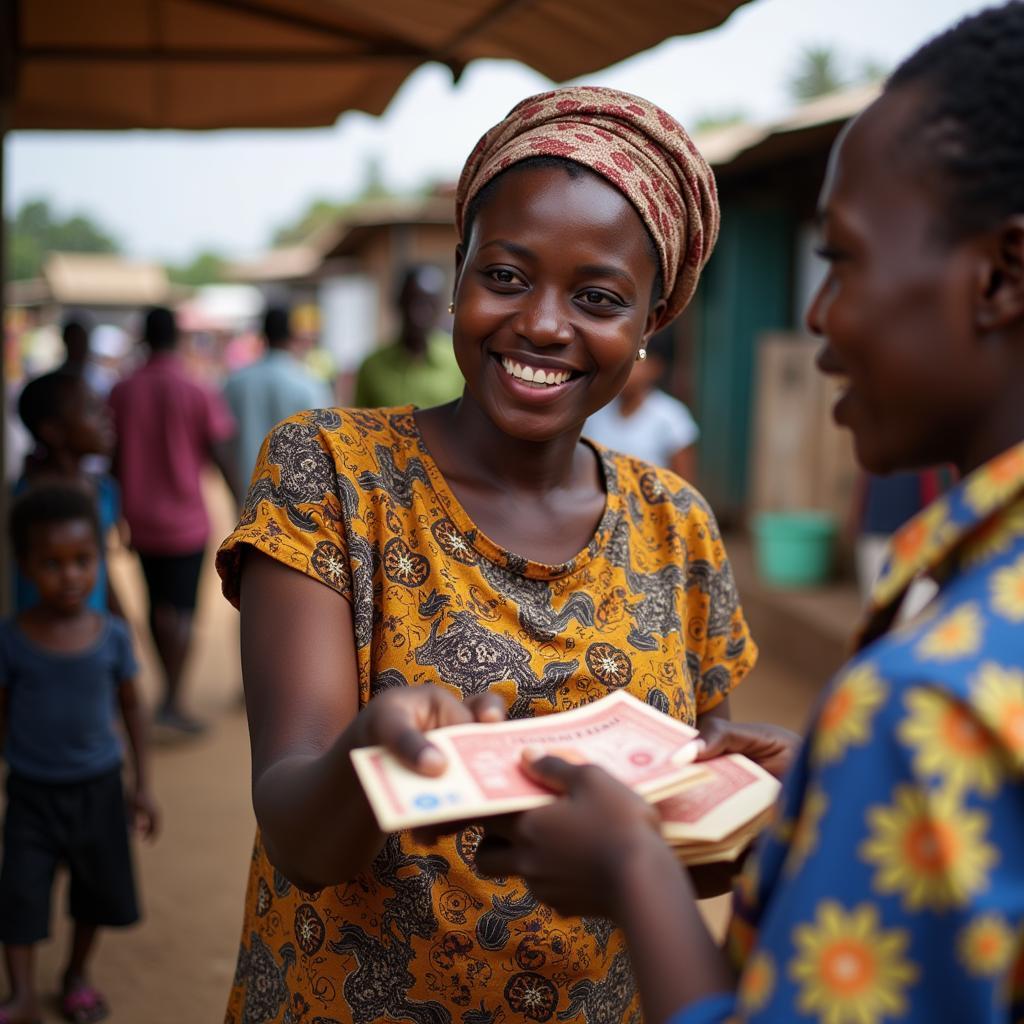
451	308
641	355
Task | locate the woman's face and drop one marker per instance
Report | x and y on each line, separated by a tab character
896	310
552	301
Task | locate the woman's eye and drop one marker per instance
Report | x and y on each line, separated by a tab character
503	276
596	298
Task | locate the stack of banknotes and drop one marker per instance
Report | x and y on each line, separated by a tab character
710	810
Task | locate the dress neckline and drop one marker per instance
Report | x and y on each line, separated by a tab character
489	549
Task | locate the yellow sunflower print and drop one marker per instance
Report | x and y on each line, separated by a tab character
949	742
757	982
845	718
929	848
996	482
955	635
987	945
915	544
804	836
1007	588
997	694
849	970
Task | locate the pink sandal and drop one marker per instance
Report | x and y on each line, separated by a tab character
83	1005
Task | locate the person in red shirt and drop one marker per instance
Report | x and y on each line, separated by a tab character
168	427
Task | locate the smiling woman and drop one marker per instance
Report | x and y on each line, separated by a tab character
473	560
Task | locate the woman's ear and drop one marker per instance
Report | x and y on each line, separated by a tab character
460	258
653	322
1001	278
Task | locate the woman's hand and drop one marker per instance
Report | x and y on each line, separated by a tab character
397	719
576	853
770	746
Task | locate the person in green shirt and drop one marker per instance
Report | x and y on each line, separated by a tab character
419	367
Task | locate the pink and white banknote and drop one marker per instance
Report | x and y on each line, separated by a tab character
725	794
643	748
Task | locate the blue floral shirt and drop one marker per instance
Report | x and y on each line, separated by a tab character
891	887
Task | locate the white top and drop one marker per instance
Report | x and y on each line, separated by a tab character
659	428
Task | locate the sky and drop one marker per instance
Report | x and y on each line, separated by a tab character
168	195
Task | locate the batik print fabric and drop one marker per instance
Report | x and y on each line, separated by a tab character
892	885
353	499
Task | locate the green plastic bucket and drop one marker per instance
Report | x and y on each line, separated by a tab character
794	549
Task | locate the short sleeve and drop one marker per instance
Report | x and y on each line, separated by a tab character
127	666
296	506
720	649
681	428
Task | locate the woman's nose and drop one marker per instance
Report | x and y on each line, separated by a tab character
544	320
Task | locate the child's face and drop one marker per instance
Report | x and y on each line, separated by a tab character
896	309
556	276
62	561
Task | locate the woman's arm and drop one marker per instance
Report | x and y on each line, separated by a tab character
302	697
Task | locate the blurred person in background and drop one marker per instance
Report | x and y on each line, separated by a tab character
419	368
71	428
75	335
644	421
169	427
263	393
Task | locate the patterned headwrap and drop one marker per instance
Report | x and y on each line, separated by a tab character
634	145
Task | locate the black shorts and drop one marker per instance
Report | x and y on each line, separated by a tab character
172	579
81	824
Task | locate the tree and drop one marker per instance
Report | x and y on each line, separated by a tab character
36	230
322	212
816	75
206	268
318	214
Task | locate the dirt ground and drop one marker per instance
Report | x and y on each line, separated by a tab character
176	966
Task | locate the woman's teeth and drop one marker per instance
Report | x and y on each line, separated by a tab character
545	378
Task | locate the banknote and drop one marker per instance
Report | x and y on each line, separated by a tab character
642	747
719	809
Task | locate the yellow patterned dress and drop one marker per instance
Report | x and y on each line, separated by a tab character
353	499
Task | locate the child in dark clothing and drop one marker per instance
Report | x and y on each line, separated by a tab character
69	423
62	664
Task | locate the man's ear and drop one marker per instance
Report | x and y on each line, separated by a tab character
1001	278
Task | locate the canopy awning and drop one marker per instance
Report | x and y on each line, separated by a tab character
298	63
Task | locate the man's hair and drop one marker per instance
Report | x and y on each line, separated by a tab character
161	329
48	504
972	119
44	397
277	328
